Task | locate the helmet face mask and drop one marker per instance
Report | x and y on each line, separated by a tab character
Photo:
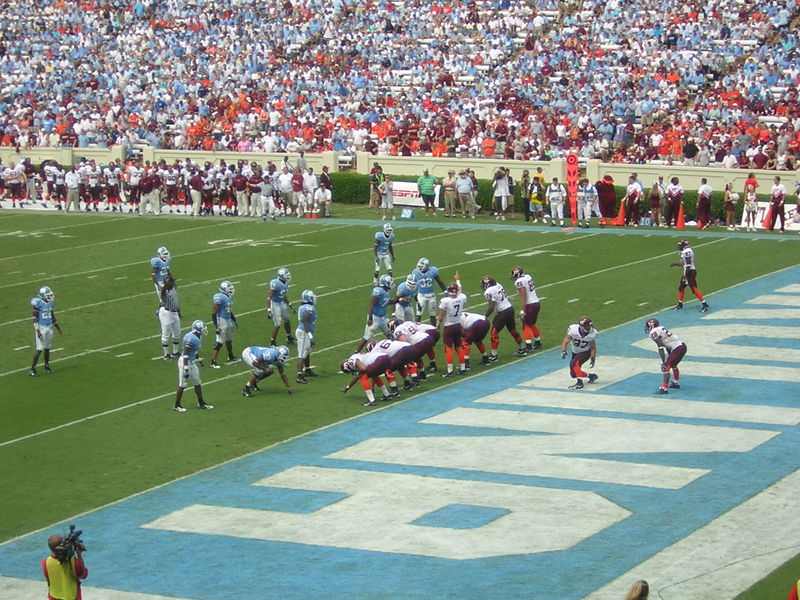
199	327
683	244
452	290
46	294
487	282
226	287
411	283
283	354
387	229
386	282
585	325
308	297
516	273
162	253
650	325
423	264
284	275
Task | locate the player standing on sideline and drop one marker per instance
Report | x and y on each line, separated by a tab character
278	305
383	251
581	336
160	264
306	328
528	309
188	371
425	274
406	299
169	314
224	322
689	277
377	318
671	349
261	360
495	295
44	319
450	308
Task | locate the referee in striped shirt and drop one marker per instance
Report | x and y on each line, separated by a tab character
169	314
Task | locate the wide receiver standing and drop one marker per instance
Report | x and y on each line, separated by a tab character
671	349
188	371
224	322
581	338
689	277
44	319
528	309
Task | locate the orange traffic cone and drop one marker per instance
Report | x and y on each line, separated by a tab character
767	217
620	220
680	223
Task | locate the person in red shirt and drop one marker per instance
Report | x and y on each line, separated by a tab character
64	570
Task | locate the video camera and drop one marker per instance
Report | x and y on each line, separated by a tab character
69	545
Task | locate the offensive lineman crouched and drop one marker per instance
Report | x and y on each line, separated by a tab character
581	336
671	349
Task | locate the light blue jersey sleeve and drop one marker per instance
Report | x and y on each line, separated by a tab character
45	316
279	290
224	301
301	314
194	344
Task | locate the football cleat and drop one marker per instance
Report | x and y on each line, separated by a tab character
226	287
214	365
537	344
283	354
578	385
46	294
394	393
704	307
290	339
423	264
368	403
179	409
516	273
422	375
432	366
308	297
246	391
675	386
284	275
493	357
204	406
300	379
199	327
309	373
411	283
47	369
162	253
678	306
386	282
520	352
592	377
408	386
584	325
452	290
661	391
487	282
32	372
650	325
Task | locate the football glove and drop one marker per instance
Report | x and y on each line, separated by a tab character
344	390
563	354
269	313
591	362
186	373
218	331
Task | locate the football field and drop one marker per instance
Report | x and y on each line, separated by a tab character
501	481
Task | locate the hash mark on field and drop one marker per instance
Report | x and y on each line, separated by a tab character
21	348
118	278
609	302
123	354
14	272
642	304
573	300
56	349
91	276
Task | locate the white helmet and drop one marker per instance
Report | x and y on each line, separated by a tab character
199	327
284	275
308	297
411	282
387	229
386	282
283	354
46	294
423	264
226	287
162	253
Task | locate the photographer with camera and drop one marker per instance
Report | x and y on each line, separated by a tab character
64	568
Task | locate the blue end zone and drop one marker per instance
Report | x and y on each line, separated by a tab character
125	556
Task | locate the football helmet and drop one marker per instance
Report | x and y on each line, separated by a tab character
487	282
387	229
226	287
308	297
284	275
283	354
162	253
452	290
349	365
369	346
386	282
423	264
199	327
46	294
650	325
682	244
516	273
392	325
584	325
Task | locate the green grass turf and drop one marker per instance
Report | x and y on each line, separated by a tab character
777	584
99	270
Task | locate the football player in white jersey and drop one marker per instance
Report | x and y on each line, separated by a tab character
450	308
421	340
671	349
689	277
528	309
367	368
474	328
498	302
581	338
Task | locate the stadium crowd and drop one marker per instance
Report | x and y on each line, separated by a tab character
712	83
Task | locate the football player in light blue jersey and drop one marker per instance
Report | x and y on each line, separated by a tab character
224	322
377	317
44	319
261	360
306	329
406	300
188	371
278	305
160	263
384	251
425	275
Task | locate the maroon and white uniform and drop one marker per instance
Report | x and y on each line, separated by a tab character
376	363
676	348
113	176
452	307
504	312
399	353
171	177
532	304
12	175
474	327
580	342
420	340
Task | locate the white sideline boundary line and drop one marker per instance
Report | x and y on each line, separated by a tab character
324	427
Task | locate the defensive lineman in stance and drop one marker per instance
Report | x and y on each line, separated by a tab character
689	277
278	305
188	371
581	337
44	319
671	350
261	360
384	251
169	315
224	322
306	328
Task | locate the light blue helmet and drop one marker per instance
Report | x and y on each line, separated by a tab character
386	282
162	253
284	275
423	264
46	294
199	327
226	287
387	229
283	354
411	282
308	297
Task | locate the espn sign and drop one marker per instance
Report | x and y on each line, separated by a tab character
406	193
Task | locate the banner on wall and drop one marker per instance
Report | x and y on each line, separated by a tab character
406	193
